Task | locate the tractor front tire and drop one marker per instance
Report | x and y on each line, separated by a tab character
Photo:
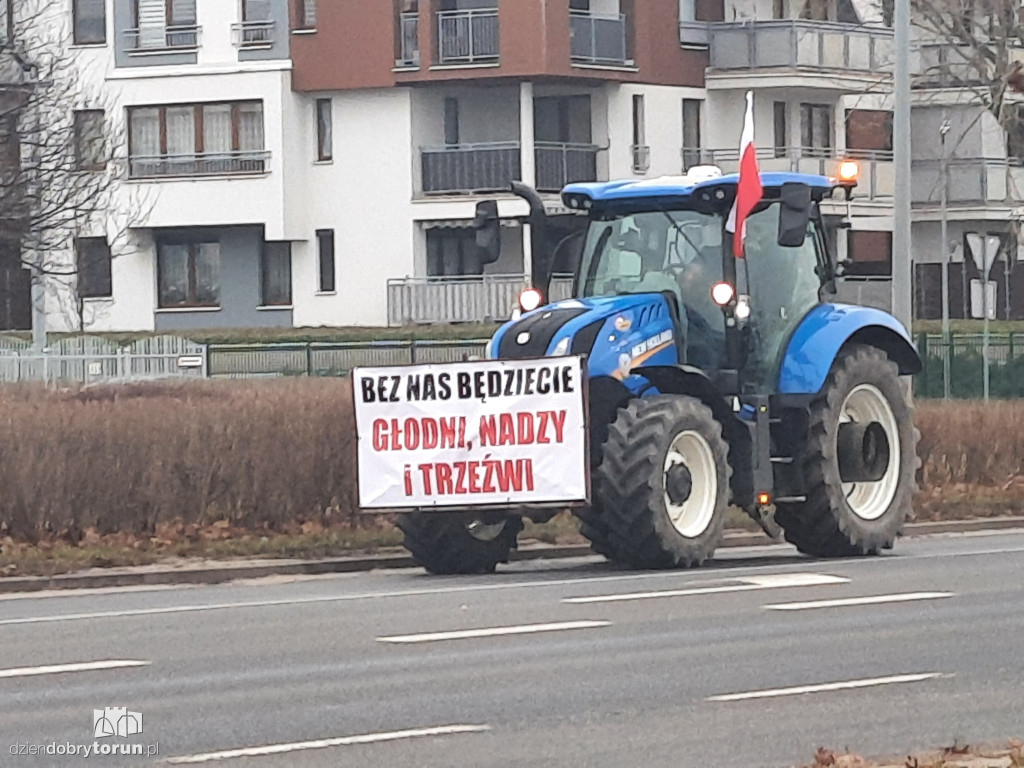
456	543
663	483
839	519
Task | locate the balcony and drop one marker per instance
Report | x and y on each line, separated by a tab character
473	299
408	40
489	167
877	177
253	34
161	39
808	46
969	181
221	164
560	164
469	168
468	37
598	40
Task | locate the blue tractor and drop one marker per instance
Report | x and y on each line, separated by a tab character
714	380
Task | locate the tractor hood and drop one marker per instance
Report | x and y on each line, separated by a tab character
615	332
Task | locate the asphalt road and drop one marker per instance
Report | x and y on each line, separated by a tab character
737	664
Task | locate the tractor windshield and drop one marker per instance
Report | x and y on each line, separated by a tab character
679	252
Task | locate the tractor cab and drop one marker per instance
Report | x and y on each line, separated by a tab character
663	247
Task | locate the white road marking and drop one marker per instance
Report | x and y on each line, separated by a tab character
539	583
44	594
748	584
343	741
905	597
85	666
800	689
522	629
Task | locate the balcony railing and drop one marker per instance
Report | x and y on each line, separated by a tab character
253	34
799	43
478	299
598	39
468	37
641	158
877	177
150	40
220	164
409	40
969	180
467	168
560	164
694	34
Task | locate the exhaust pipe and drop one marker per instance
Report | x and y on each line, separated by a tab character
538	220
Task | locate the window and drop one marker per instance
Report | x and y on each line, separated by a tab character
276	275
196	139
868	254
188	274
868	131
781	129
163	24
93	256
256	10
1015	135
692	143
324	130
778	9
452	253
89	22
579	5
816	129
90	140
7	18
641	152
451	121
325	245
305	14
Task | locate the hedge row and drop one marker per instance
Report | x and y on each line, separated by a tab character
273	455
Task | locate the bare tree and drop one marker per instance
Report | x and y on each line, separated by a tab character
62	157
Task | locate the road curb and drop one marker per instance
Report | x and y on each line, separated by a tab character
233	571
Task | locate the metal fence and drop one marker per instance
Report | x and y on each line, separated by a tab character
91	360
965	355
94	360
468	36
598	39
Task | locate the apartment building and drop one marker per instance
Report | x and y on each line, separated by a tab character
307	163
303	163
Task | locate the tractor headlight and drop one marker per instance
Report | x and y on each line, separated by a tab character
561	348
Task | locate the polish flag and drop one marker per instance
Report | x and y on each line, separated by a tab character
749	190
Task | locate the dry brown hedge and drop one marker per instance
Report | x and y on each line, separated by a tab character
257	454
273	455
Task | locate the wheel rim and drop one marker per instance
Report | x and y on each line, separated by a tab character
482	531
693	516
870	500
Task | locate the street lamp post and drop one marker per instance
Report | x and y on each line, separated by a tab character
943	237
902	268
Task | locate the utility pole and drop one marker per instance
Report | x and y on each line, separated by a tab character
902	268
943	237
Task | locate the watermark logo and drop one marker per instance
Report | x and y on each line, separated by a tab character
115	721
107	723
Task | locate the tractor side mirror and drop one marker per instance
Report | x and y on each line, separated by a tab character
488	231
794	214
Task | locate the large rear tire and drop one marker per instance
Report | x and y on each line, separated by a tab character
450	543
840	519
663	483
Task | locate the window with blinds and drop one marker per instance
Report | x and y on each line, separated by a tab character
164	24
